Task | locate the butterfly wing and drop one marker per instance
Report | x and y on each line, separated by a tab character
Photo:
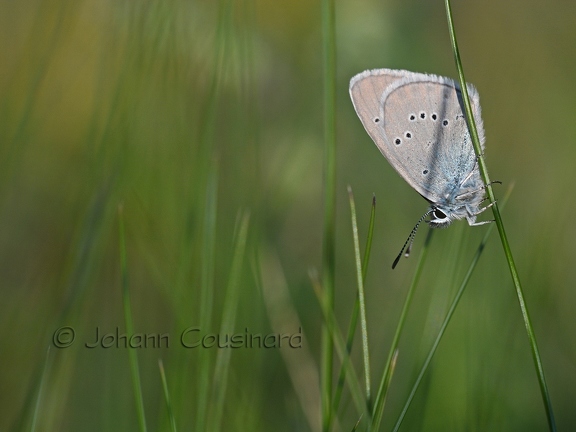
366	91
420	127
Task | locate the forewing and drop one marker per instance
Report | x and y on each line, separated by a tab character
424	131
366	91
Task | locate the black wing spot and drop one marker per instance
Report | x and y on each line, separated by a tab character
408	135
434	116
376	120
425	172
422	115
445	123
412	117
397	141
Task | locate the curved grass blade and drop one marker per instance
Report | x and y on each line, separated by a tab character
328	255
40	392
205	359
340	346
361	299
388	368
356	308
232	297
134	368
167	396
500	225
448	317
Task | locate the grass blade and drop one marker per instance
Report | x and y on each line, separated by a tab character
167	396
368	246
361	299
447	319
356	308
387	373
500	225
300	363
328	263
207	293
332	326
220	381
40	390
134	368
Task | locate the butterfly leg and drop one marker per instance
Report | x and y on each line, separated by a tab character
483	209
480	223
472	192
472	215
473	169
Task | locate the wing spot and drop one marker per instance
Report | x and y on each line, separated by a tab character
425	172
397	141
445	122
422	115
412	117
376	120
434	116
408	135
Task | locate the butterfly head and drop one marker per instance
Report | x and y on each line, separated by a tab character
440	218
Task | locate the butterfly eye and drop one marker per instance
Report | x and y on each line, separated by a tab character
439	214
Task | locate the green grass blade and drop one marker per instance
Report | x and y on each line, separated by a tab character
328	262
388	368
447	319
500	225
207	294
301	366
361	299
40	392
356	308
30	406
368	247
219	384
167	396
134	368
355	428
332	326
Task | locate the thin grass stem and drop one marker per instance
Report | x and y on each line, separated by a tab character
229	312
388	368
340	346
447	319
361	299
134	367
356	307
167	396
328	264
207	293
40	394
500	225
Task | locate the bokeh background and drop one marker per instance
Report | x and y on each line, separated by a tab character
159	106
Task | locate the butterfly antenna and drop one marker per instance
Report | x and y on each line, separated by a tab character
410	239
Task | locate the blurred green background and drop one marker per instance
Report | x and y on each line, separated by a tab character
152	104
